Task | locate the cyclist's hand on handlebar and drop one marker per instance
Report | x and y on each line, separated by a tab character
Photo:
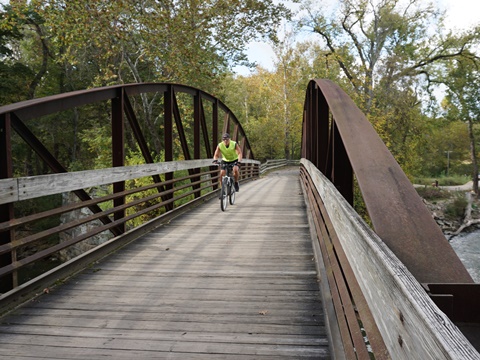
215	161
238	163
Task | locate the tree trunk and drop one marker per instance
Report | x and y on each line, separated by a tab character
473	156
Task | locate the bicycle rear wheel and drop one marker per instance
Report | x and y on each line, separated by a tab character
224	195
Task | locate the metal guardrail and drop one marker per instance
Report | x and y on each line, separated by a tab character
126	214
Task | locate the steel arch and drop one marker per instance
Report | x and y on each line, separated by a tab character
340	141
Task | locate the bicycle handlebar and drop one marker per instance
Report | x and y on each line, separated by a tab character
218	163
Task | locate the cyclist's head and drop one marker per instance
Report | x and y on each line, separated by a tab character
226	137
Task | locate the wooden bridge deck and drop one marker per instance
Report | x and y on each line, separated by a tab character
191	290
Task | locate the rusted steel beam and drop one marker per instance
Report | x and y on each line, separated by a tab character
214	124
197	115
6	210
35	108
226	123
118	152
397	212
168	124
168	104
197	128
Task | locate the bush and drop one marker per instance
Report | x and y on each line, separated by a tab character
456	209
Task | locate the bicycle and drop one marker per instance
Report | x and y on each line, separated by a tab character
227	193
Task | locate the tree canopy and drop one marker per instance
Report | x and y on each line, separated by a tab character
391	57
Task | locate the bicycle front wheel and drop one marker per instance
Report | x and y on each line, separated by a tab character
224	195
231	196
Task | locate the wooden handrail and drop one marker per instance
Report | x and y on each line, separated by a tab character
411	325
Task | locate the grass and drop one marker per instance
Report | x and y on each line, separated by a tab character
443	180
433	193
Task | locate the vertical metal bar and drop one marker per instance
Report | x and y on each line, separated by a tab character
168	137
328	153
215	124
197	112
235	132
168	123
8	281
214	136
118	152
196	125
226	123
323	133
313	127
304	132
242	146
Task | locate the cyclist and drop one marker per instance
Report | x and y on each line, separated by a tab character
231	153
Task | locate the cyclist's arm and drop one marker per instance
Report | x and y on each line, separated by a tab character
217	153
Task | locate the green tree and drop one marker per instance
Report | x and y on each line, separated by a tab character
463	103
78	44
270	103
386	41
392	54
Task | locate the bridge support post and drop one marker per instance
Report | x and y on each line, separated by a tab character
197	122
118	153
8	281
168	136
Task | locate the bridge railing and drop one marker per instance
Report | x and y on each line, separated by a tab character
141	123
276	163
81	232
371	289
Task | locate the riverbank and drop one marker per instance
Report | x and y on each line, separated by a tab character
456	209
461	225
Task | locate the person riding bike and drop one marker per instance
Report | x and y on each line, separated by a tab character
231	153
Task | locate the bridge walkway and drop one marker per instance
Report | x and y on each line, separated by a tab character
209	285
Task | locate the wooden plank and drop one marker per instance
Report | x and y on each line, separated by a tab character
248	293
229	319
8	191
158	345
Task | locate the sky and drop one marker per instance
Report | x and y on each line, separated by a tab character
460	15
